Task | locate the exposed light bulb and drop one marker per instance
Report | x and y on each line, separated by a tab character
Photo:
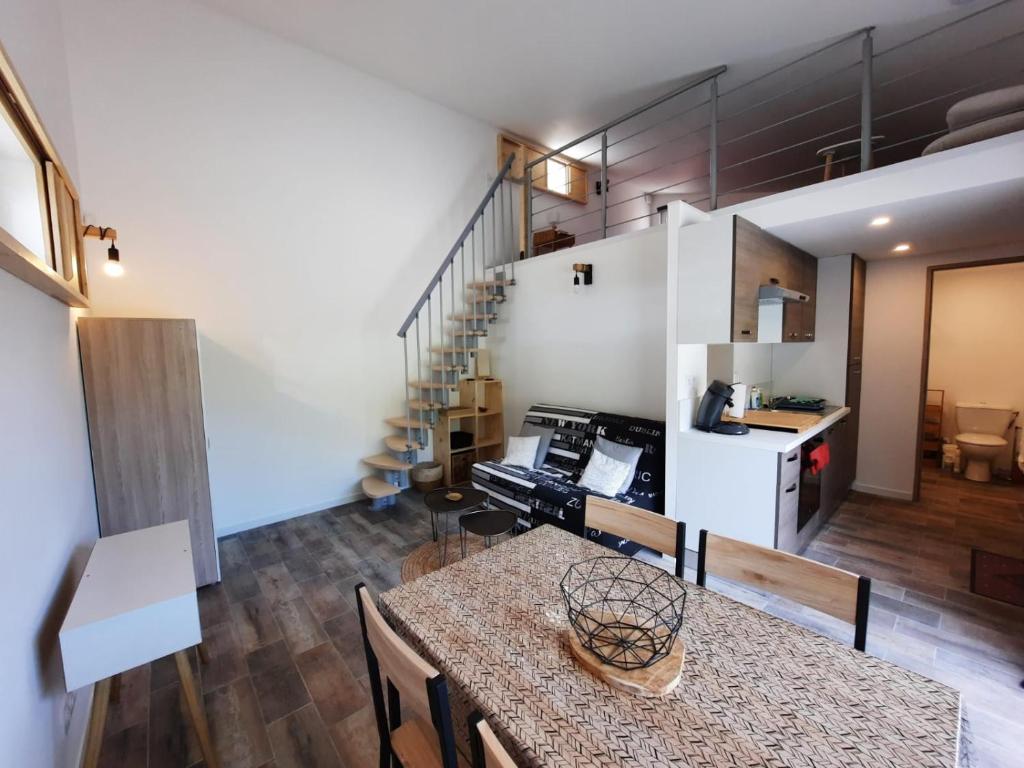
113	268
880	221
902	248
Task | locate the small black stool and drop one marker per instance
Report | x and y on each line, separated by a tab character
488	523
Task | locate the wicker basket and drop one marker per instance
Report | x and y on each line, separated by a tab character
427	476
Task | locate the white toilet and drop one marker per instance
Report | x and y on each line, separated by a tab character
981	440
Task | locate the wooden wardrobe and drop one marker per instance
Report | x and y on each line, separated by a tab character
144	400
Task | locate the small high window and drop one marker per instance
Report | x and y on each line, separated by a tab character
558	177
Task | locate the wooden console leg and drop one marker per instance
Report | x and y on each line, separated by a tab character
195	709
97	719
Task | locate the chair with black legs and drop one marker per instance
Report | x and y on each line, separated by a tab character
825	588
648	529
487	750
425	740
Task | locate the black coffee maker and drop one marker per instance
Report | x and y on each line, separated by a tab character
709	415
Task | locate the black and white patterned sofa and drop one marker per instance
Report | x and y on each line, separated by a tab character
550	494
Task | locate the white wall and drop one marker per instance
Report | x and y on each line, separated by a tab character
893	341
47	502
976	316
602	347
293	206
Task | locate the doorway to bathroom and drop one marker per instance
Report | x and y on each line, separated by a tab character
972	381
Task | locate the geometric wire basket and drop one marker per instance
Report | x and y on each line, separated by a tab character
624	611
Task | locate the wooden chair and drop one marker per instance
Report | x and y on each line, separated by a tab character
486	749
427	739
650	529
830	590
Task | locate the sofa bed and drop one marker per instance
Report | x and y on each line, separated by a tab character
549	492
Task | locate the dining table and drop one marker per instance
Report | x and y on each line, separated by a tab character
755	690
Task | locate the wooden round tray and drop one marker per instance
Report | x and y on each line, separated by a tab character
656	680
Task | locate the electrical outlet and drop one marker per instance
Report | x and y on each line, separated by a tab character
69	709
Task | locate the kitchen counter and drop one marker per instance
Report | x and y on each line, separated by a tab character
768	439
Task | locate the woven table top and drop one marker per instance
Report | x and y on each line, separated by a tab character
755	690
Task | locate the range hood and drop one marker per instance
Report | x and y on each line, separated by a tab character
776	294
771	301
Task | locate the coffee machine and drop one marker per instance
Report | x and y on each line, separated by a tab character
709	414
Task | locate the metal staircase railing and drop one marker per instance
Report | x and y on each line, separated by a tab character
491	238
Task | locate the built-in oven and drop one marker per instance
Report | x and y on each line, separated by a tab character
810	485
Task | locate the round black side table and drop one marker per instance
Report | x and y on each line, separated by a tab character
439	504
488	523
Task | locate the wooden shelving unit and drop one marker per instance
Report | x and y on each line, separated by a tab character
480	413
931	427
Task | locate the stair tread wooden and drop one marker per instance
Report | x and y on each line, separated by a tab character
488	283
376	488
447	368
477	316
423	384
404	422
388	462
424	405
449	349
483	298
400	444
470	332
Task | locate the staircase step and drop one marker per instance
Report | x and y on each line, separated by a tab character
424	405
400	445
430	385
454	349
483	298
376	488
404	422
388	462
477	316
470	332
489	283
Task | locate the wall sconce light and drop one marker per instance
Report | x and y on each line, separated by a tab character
587	270
113	267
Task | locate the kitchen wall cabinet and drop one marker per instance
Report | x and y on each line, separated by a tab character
722	264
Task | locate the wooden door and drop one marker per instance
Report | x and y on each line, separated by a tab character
747	277
144	401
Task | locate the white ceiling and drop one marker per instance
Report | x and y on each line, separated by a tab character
553	70
971	218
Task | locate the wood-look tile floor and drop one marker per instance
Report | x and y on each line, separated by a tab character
285	684
923	615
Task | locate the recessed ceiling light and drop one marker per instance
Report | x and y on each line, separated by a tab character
880	221
902	248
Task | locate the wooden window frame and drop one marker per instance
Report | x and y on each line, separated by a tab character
61	271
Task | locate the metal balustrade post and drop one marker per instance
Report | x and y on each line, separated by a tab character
419	366
451	283
866	84
408	406
528	212
604	185
494	236
713	144
513	252
430	343
465	298
483	246
472	255
440	301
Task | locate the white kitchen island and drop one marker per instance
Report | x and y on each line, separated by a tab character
747	486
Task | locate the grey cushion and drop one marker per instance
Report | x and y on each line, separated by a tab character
545	434
987	129
625	453
985	106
